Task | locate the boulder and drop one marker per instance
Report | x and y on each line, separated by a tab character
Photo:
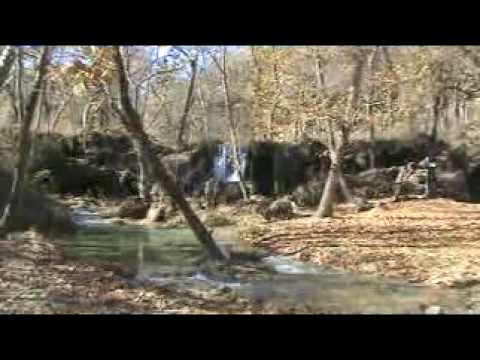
309	194
229	193
282	209
38	211
133	209
374	183
453	184
78	179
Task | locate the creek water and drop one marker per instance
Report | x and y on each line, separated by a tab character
173	257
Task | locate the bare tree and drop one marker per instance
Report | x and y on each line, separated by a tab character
193	62
336	144
13	204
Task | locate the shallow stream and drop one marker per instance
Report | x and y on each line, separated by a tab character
174	258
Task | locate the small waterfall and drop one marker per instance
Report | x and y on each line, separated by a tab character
224	169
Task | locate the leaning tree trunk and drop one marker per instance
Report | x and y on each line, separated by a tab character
131	121
13	204
325	208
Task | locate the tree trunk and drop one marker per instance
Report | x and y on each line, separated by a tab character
371	92
14	202
325	208
205	112
131	120
13	103
232	126
7	59
456	112
357	78
39	111
85	113
371	148
431	183
188	105
56	116
19	84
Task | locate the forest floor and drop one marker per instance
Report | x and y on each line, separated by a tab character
35	278
434	242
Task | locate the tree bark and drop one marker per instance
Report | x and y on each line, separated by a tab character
85	114
40	110
357	79
201	99
188	104
13	103
56	116
14	202
431	184
19	85
131	121
325	208
7	59
371	92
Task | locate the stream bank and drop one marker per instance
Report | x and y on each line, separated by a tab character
173	259
132	268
